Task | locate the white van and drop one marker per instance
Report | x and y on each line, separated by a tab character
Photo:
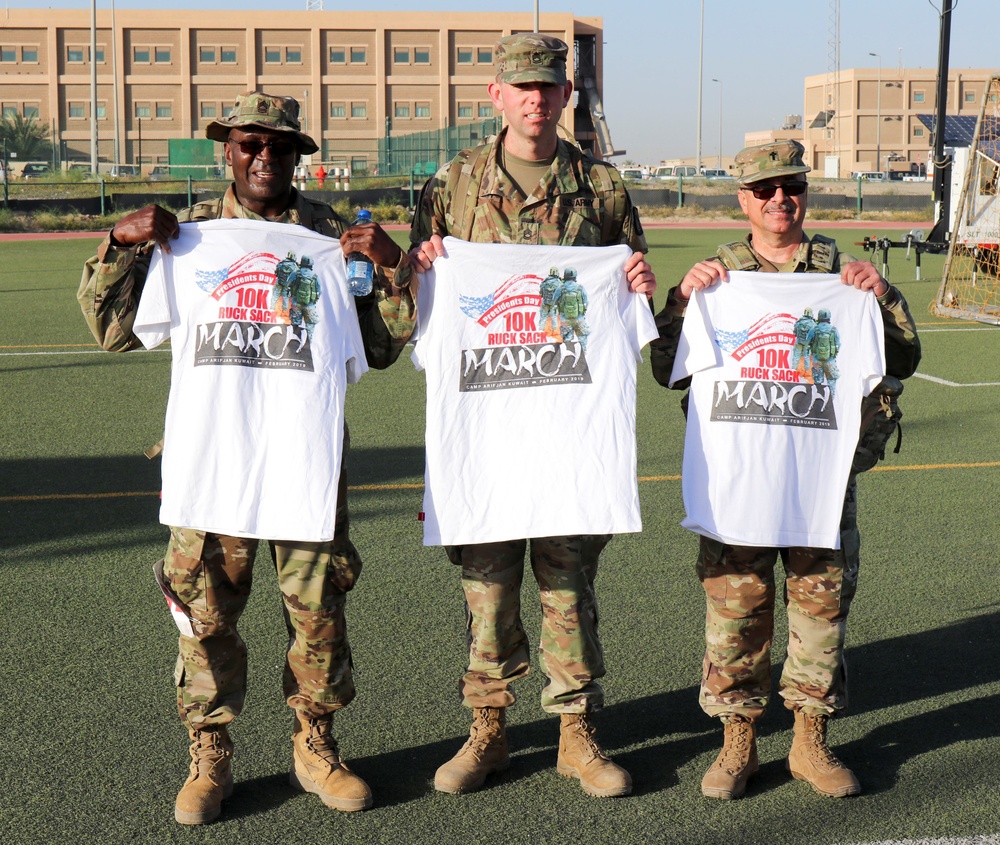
868	175
672	171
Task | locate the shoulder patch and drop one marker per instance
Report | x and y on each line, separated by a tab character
737	255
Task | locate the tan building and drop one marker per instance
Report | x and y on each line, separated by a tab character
870	120
362	77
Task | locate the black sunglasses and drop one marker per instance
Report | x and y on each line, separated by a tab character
255	148
789	189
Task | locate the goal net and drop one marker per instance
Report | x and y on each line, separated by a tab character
970	286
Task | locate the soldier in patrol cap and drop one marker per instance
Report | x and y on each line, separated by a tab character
529	186
739	581
211	573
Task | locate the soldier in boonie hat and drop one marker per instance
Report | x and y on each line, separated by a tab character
530	57
266	111
769	161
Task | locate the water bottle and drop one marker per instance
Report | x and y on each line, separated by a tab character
360	268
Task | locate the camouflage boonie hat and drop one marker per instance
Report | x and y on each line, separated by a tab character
767	161
530	57
279	114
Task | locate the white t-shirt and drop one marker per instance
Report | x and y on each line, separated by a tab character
263	347
530	392
775	405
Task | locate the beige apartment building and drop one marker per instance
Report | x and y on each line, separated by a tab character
361	77
871	121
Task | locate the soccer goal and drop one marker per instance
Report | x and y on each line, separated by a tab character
970	286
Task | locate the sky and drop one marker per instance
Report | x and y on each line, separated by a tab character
761	53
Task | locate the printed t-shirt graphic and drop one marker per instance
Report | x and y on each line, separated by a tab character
530	355
779	365
265	339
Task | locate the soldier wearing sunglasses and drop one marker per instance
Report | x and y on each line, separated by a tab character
212	573
739	581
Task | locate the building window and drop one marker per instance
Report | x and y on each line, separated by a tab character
29	55
142	110
102	111
209	110
465	55
227	110
165	110
76	111
401	110
99	54
422	110
485	110
162	55
359	55
10	110
918	131
359	164
338	110
31	110
338	55
918	96
293	55
227	55
465	110
206	55
401	55
8	54
74	55
484	55
272	55
359	110
140	55
421	56
970	96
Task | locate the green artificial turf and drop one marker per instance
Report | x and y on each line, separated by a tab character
90	746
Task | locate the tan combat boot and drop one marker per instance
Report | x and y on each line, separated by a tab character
737	762
211	778
484	752
812	760
581	757
317	767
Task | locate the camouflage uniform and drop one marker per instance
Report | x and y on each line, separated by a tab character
819	583
578	202
210	573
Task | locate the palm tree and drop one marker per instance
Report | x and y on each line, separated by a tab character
25	138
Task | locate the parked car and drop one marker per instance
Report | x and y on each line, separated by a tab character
159	173
117	171
668	171
34	171
634	173
717	174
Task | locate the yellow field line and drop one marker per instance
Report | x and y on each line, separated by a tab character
419	486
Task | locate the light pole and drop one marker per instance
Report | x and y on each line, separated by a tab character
878	127
720	121
701	63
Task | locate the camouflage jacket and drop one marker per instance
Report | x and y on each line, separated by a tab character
579	202
112	282
815	255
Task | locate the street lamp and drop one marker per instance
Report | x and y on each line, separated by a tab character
878	126
720	121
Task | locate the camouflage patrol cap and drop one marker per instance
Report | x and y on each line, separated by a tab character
530	57
767	161
257	109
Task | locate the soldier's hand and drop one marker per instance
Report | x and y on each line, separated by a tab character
151	223
422	256
703	275
863	276
372	240
641	278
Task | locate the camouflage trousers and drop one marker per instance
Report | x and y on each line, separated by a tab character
570	650
211	575
739	626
